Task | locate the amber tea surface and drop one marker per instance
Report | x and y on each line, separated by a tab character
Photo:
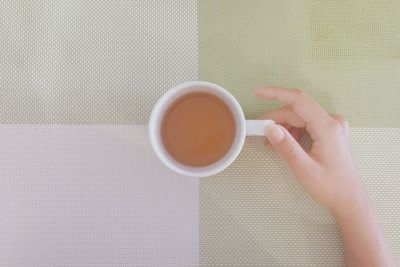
198	129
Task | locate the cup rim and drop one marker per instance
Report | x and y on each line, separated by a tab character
204	170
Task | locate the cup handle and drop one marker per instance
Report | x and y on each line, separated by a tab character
257	127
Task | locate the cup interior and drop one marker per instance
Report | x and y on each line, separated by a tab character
167	100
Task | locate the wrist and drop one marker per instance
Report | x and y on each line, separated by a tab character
357	206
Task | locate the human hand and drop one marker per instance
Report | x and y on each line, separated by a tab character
328	172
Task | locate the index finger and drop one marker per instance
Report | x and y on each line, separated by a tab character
303	105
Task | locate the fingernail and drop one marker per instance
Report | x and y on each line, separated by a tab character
258	88
262	91
275	134
263	87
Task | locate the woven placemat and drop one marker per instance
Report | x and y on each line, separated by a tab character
346	54
108	62
256	213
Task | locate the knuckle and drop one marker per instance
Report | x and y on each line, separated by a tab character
344	123
299	93
341	120
290	151
335	127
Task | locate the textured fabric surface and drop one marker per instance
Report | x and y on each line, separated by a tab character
344	53
92	62
256	213
97	196
92	196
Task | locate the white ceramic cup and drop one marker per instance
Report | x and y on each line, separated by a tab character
243	128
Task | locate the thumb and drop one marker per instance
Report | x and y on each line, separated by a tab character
282	141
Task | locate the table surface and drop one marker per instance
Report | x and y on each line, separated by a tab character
79	184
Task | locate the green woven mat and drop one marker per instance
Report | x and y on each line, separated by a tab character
346	54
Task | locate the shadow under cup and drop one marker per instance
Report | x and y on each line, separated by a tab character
168	99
